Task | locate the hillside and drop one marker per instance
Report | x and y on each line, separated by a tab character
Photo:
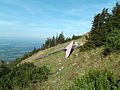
64	71
93	66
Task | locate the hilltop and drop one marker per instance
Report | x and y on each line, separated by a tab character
65	70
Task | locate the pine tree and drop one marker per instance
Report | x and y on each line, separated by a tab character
61	38
98	34
113	38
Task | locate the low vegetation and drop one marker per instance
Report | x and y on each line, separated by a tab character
22	76
96	80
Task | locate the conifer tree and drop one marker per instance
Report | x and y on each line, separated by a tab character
98	34
61	38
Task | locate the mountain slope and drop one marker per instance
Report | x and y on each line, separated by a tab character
64	71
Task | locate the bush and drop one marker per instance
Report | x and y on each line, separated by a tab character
113	42
24	75
87	46
75	37
96	80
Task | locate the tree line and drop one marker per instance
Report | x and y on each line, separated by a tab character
105	31
58	39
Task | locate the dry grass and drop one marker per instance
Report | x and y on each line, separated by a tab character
64	71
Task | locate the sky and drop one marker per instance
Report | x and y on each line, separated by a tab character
45	18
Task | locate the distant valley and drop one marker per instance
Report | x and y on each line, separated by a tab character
10	49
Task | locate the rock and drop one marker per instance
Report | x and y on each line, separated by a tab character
76	43
77	66
74	64
76	54
59	60
62	67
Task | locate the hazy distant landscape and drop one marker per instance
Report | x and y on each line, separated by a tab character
10	49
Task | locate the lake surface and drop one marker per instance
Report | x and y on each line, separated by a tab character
10	49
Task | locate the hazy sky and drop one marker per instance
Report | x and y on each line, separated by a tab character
44	18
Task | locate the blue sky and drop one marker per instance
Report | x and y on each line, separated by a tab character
45	18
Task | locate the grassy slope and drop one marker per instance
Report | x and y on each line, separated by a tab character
74	66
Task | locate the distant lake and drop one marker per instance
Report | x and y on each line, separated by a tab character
10	49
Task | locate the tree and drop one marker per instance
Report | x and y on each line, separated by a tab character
113	38
116	10
61	38
105	31
50	42
99	33
1	62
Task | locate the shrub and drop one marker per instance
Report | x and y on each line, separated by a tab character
24	75
113	42
96	80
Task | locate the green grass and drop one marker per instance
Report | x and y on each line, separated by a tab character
74	66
